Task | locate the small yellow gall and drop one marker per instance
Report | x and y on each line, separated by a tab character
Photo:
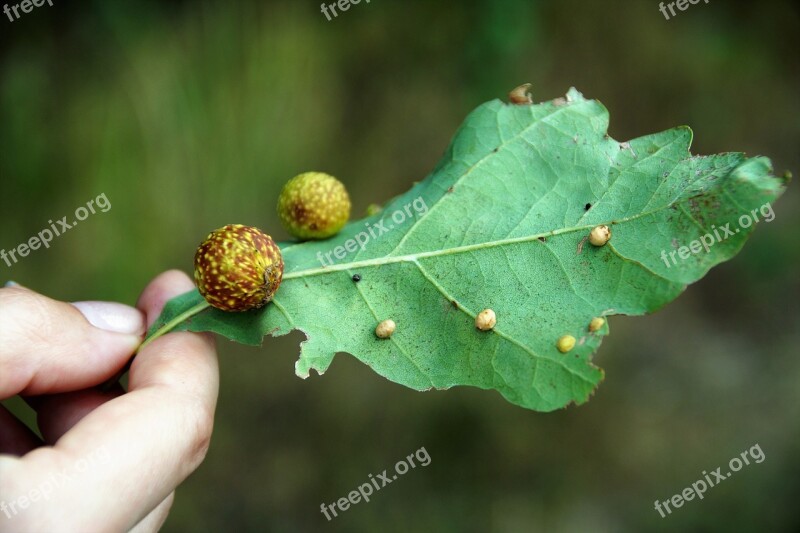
596	323
600	235
485	320
385	329
313	205
520	95
565	343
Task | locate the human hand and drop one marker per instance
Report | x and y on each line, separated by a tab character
109	461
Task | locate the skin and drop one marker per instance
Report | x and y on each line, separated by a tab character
153	436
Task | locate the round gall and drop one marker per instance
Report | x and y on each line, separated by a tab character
485	320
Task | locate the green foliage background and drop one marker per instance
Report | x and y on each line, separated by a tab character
191	115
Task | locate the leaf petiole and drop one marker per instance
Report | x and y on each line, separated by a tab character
166	328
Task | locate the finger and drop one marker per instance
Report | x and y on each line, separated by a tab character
58	413
47	346
162	289
156	518
15	437
154	436
159	367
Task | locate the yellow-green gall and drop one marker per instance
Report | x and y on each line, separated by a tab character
599	235
486	320
373	209
565	343
596	323
385	329
238	268
313	205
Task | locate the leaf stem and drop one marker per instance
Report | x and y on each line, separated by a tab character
166	328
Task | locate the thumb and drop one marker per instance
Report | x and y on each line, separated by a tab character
47	346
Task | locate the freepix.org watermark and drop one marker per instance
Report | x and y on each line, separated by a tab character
379	481
683	5
718	234
700	486
58	480
343	5
382	226
26	6
57	228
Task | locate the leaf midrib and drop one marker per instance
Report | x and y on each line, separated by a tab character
387	260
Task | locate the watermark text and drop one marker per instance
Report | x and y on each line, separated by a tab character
718	234
379	481
384	225
343	5
713	479
26	6
683	5
56	480
57	228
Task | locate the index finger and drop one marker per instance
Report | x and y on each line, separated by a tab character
47	346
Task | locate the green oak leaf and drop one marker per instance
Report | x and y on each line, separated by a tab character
501	223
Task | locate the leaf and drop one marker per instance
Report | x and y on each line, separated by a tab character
501	223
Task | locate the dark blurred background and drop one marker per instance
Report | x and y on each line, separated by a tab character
191	115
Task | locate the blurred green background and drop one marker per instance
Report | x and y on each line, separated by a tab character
191	115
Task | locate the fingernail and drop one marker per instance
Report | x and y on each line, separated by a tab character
112	316
11	284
